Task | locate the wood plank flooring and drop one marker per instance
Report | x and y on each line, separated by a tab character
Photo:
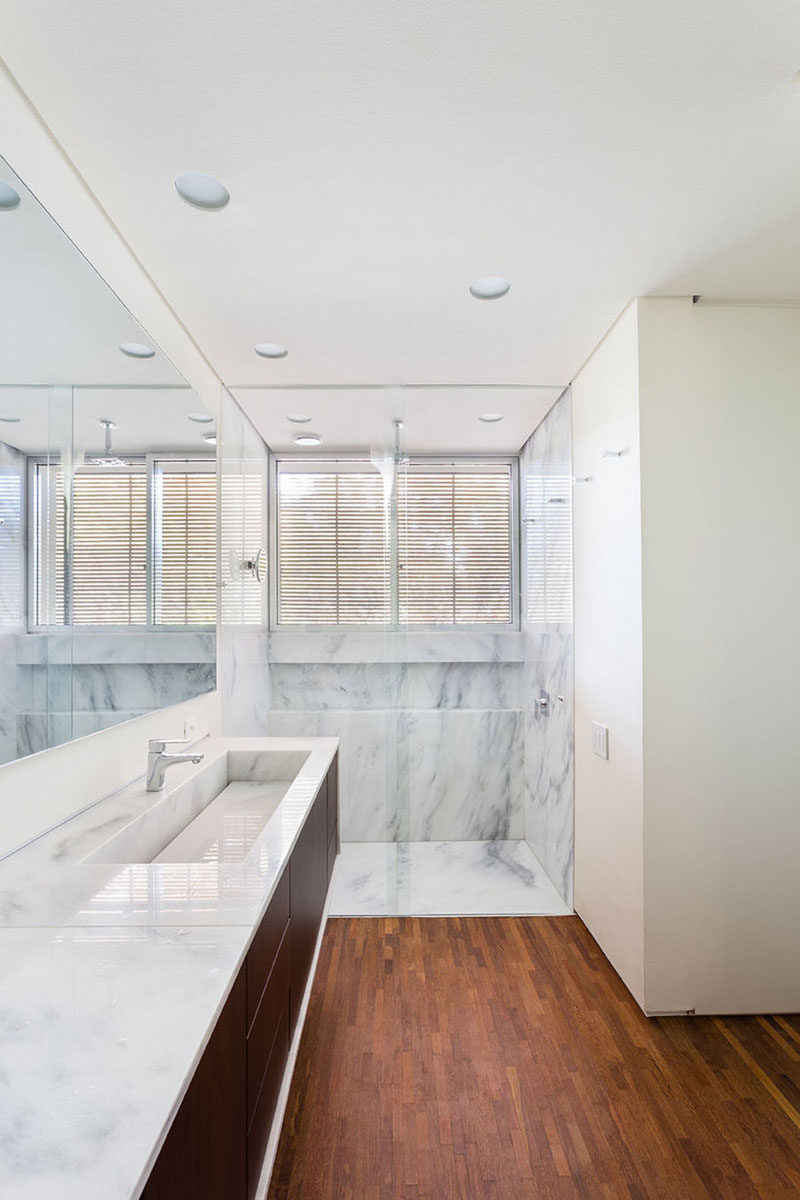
503	1059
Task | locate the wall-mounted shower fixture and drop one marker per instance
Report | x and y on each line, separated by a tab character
615	453
581	479
400	458
542	704
108	458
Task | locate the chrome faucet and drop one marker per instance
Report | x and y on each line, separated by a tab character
158	760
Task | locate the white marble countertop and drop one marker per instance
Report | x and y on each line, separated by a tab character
111	979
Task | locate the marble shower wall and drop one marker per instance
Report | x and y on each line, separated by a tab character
431	728
13	606
242	669
547	628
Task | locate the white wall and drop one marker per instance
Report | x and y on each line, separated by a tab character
608	652
720	435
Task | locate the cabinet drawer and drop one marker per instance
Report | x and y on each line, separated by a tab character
333	846
270	1025
261	1124
264	947
332	806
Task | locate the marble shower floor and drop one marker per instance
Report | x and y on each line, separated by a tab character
438	879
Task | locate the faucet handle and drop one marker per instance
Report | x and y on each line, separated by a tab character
159	745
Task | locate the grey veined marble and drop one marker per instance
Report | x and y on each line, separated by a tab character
546	512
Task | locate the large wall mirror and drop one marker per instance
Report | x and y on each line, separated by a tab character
108	500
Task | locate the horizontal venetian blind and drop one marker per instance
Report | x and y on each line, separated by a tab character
109	547
547	515
454	539
49	543
186	573
332	553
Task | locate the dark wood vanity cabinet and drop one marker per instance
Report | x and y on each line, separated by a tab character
215	1147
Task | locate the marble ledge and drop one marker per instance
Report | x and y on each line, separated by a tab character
288	646
74	647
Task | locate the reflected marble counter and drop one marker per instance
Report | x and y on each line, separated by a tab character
111	979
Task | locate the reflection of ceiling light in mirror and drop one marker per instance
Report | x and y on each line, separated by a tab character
490	288
8	197
137	350
307	439
201	418
270	350
298	418
211	438
201	191
9	420
490	418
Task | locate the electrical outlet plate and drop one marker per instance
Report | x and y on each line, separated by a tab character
599	740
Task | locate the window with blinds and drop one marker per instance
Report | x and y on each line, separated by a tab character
109	547
332	547
454	547
441	555
125	546
185	571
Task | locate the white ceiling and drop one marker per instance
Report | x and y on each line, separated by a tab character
434	418
380	156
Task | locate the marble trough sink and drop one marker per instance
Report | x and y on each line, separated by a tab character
217	815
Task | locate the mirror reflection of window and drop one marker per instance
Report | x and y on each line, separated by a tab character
129	545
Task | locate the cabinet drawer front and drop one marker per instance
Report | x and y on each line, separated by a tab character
333	846
270	1025
264	947
332	806
261	1124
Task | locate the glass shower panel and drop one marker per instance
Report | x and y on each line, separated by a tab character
394	462
44	660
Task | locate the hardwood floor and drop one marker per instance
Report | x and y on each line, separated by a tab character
502	1058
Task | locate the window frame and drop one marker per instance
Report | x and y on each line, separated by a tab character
35	548
433	462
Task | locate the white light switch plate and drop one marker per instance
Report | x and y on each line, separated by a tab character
599	740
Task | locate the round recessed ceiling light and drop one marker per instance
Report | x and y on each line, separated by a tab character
490	418
270	350
137	350
298	418
10	420
307	439
202	191
8	197
211	438
490	288
201	418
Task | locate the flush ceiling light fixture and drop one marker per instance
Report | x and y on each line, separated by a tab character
270	350
202	191
8	197
491	287
10	420
298	418
490	418
307	439
201	418
137	350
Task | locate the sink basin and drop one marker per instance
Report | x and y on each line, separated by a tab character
215	816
